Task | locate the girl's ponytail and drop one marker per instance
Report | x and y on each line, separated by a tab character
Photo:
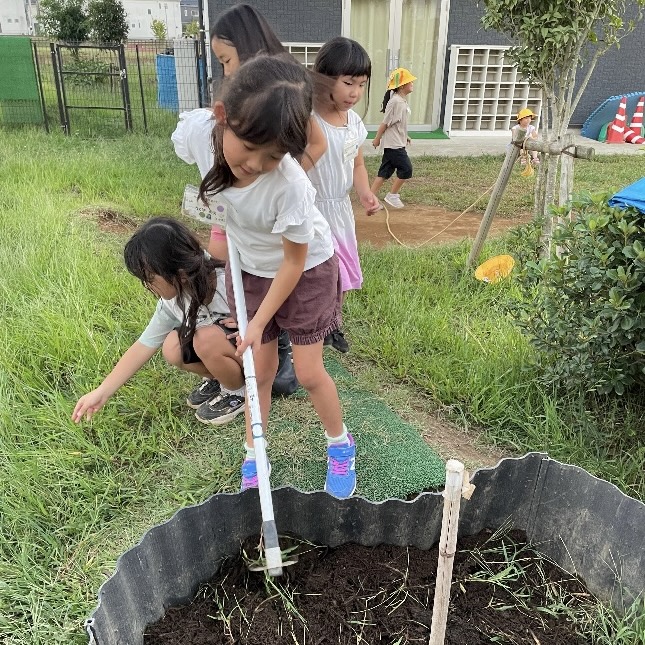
386	99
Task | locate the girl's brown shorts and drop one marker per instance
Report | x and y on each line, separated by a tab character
312	310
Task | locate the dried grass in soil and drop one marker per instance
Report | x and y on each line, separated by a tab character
384	594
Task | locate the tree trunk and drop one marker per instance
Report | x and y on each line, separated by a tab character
549	194
540	186
540	181
566	181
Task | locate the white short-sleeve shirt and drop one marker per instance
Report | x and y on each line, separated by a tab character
277	204
193	138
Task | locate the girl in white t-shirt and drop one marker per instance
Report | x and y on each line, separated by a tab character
289	268
345	70
191	323
239	33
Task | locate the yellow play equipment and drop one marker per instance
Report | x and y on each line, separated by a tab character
494	269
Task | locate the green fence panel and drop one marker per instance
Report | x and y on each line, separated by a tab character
19	97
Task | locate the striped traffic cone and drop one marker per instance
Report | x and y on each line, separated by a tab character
637	120
616	131
632	137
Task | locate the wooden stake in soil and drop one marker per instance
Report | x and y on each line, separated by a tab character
447	544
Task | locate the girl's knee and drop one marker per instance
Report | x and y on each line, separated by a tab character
200	342
266	368
210	341
171	350
310	374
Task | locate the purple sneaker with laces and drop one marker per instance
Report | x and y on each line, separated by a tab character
250	474
341	473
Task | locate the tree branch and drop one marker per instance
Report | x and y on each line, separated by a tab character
585	81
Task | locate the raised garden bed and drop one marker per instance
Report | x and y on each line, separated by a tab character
355	594
584	524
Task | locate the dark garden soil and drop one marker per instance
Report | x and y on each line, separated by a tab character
368	595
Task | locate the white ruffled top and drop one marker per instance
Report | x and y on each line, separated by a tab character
192	138
277	204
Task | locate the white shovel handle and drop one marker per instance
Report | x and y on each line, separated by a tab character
272	553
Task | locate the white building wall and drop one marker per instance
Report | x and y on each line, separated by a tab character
13	19
141	13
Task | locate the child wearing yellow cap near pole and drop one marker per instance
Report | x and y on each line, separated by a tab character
524	118
393	133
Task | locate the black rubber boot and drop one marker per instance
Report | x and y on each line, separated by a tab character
285	382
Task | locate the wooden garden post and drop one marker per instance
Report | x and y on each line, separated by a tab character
495	197
456	486
552	149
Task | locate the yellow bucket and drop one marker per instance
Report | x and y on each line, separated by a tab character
494	269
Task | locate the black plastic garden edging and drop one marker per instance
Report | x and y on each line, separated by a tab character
583	523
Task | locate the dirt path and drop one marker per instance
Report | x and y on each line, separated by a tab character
414	225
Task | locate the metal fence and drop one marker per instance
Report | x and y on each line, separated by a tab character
103	89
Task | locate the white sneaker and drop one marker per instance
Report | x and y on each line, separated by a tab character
394	200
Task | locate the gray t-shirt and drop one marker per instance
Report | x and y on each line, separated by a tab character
168	315
396	116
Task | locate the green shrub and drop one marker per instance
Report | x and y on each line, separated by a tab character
584	310
93	71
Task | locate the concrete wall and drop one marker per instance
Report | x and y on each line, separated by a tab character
620	71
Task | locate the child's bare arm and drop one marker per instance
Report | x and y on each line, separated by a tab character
379	133
316	146
362	185
129	364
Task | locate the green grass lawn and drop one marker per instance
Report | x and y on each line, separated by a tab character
75	497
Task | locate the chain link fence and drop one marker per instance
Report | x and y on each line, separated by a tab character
100	89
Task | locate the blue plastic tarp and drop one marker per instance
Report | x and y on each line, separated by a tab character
633	195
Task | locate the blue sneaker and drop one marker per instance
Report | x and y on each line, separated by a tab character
341	473
250	474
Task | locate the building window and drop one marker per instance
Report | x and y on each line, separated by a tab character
149	12
193	13
304	53
185	12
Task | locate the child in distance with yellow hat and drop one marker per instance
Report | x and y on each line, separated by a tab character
393	132
524	118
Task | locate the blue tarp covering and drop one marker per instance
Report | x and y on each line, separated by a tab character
633	195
